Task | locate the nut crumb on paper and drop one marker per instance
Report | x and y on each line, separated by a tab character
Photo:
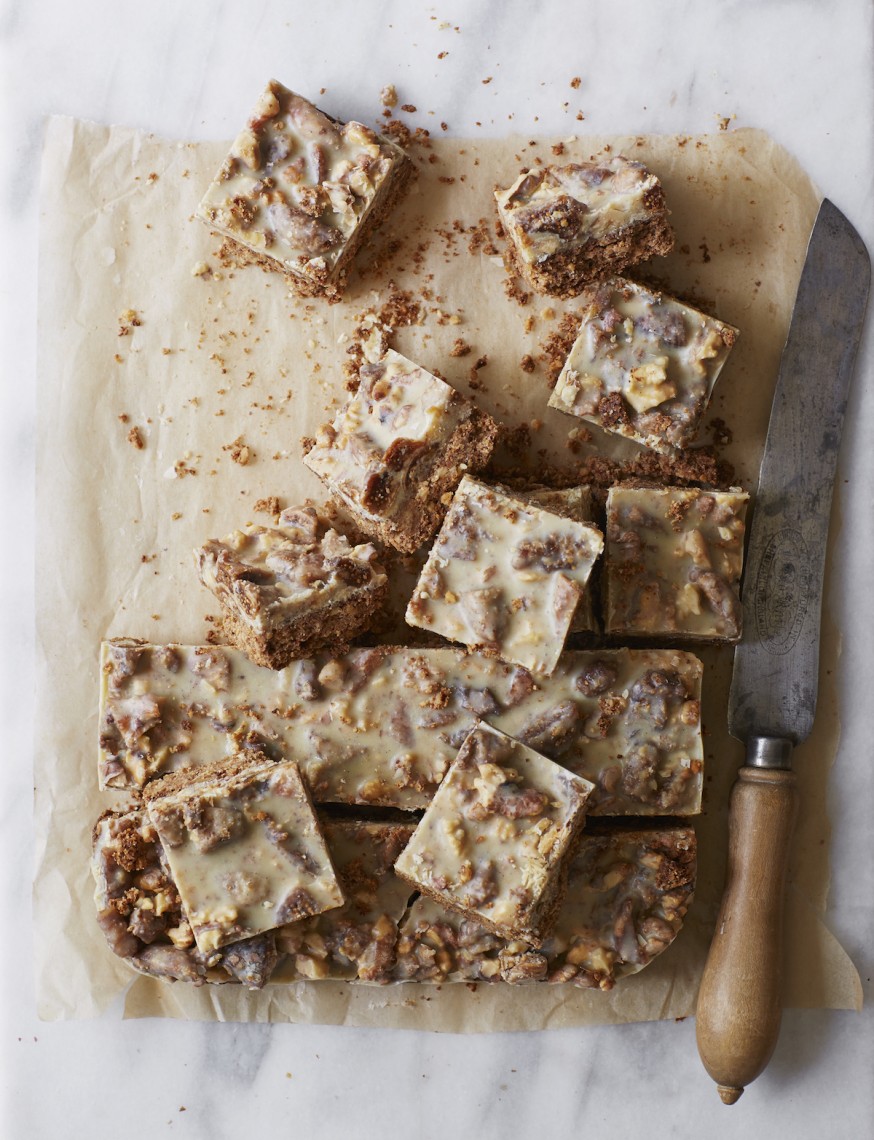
240	452
269	506
129	319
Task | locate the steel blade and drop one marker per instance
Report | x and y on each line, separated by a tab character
776	665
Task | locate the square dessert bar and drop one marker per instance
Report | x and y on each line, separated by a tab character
673	562
494	841
569	225
643	365
288	590
244	847
398	448
299	191
505	576
571	503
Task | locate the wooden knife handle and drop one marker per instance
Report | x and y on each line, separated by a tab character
738	1013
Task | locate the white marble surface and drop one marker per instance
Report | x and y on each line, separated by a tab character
802	71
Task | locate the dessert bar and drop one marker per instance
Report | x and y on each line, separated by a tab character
505	576
357	941
569	225
398	449
244	846
140	912
573	503
288	590
643	365
494	840
299	191
673	562
627	894
381	726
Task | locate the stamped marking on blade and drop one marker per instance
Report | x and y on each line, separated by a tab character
782	591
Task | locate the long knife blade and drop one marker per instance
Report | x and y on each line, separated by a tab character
776	667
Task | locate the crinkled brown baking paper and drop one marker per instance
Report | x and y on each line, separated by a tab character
231	355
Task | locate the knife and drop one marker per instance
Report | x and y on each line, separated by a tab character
772	701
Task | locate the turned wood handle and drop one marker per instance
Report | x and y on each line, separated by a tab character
738	1014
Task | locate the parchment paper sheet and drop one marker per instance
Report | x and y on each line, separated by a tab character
233	355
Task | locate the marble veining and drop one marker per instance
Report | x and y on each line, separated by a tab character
801	71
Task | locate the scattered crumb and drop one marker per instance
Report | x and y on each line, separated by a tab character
473	376
481	239
240	452
527	363
555	348
129	319
721	432
575	82
200	269
388	96
513	288
460	348
134	437
268	506
409	108
398	132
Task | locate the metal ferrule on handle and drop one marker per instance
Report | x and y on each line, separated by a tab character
769	752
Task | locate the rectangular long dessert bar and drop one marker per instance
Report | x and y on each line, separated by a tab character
495	839
505	576
643	365
627	894
381	726
299	190
568	225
